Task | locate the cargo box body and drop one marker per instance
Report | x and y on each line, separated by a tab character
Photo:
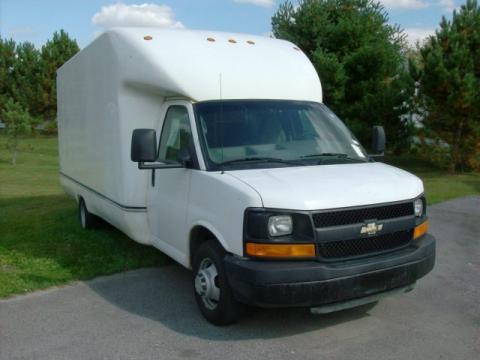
96	116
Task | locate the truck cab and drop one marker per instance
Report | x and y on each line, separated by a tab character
217	149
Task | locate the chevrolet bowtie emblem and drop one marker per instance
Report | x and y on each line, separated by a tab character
371	228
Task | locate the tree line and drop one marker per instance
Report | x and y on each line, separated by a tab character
371	75
28	84
28	74
426	97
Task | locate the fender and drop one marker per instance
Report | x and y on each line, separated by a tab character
210	228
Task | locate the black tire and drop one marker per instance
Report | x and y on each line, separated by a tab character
87	220
226	310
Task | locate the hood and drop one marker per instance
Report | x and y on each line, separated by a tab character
330	186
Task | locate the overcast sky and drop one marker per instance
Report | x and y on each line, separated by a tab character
36	20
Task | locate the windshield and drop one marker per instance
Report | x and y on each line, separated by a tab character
266	133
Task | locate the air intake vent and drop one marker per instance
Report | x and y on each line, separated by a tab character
365	246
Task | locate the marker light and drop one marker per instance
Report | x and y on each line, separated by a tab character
281	250
147	37
418	206
420	230
280	225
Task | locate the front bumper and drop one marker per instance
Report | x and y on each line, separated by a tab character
313	283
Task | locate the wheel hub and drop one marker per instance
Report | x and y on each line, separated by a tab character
202	285
205	284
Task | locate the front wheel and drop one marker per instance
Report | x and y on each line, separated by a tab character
212	291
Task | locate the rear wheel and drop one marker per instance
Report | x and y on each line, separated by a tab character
212	291
87	220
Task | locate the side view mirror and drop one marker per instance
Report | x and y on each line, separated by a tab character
144	145
378	140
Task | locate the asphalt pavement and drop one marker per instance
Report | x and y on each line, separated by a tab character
151	314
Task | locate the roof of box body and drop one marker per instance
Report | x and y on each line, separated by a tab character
206	65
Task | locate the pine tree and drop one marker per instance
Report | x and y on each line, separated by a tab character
7	62
53	55
25	78
450	85
359	57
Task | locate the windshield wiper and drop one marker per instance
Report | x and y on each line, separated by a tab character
337	155
259	159
325	154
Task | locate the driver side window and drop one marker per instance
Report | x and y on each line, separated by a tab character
176	134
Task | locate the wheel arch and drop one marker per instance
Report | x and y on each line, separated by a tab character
201	232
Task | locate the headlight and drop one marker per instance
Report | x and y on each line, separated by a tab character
280	225
418	207
271	225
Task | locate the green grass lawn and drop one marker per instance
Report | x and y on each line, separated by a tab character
42	244
439	185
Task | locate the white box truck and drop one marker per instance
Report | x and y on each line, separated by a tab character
216	149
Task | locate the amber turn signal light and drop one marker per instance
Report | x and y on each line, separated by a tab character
420	230
281	250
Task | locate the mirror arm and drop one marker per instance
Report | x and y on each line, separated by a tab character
143	166
187	164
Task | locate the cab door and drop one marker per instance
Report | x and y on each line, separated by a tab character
169	189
